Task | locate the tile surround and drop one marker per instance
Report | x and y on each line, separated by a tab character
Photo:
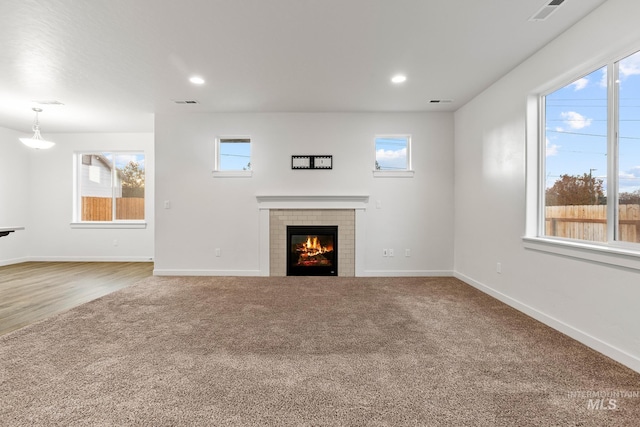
279	219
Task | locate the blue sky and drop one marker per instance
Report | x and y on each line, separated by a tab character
234	155
122	159
576	127
391	153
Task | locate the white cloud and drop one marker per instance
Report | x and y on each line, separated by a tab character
630	66
603	80
633	173
580	84
123	159
629	181
575	120
383	154
551	149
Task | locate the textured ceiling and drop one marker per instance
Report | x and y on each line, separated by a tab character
114	63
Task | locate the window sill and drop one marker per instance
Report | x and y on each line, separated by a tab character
109	224
393	174
593	252
232	174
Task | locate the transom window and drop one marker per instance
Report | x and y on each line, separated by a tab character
233	155
392	154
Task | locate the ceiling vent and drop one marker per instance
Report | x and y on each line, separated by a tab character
440	101
546	10
47	102
185	101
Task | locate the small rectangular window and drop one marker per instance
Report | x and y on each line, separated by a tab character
392	153
110	187
233	154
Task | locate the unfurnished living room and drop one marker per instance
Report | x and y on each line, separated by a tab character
320	212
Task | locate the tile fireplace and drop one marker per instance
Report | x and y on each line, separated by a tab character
277	213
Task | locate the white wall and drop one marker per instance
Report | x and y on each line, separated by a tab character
594	303
51	203
14	200
208	213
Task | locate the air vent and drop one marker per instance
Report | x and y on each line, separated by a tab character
185	101
440	101
47	102
546	10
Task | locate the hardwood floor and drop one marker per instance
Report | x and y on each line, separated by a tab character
33	291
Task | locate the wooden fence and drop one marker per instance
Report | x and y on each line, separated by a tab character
589	222
101	208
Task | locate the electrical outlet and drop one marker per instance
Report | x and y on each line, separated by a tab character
217	251
385	252
167	204
407	252
115	242
390	252
499	268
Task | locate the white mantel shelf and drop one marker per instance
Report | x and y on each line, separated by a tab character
312	202
4	231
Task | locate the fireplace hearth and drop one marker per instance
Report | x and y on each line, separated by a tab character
312	250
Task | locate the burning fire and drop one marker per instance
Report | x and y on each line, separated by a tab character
311	252
313	246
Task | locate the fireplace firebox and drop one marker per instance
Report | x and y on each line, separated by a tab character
312	250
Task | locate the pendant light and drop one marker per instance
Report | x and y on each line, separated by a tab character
36	140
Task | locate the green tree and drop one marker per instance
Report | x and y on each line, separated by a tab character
575	190
132	180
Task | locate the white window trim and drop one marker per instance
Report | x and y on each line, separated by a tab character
613	253
217	173
407	173
114	224
123	224
393	174
232	174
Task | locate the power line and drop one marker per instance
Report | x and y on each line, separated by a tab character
235	155
591	134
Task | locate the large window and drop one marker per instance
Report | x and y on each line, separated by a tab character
110	187
591	156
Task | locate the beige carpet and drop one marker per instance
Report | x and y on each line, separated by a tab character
306	351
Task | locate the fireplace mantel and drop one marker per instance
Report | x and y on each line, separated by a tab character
312	201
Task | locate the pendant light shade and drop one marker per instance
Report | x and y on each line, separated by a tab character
36	140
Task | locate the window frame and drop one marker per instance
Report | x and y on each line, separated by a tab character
217	172
612	252
77	221
400	173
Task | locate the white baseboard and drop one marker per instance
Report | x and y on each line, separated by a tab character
13	261
367	273
596	344
181	272
407	273
89	259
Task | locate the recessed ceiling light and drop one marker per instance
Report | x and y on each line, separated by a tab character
398	78
196	80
